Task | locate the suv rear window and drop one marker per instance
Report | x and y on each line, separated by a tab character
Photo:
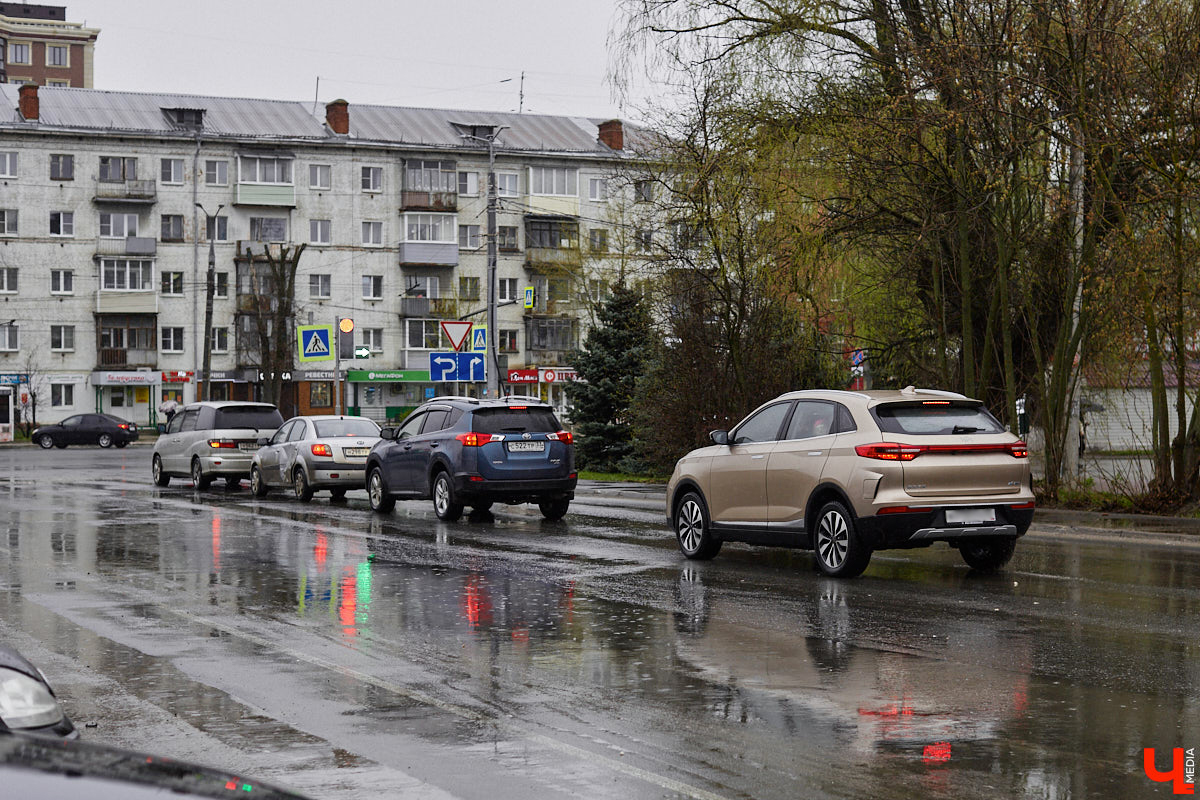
247	417
514	420
936	418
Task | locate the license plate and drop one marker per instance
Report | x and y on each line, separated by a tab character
356	452
248	446
970	516
526	447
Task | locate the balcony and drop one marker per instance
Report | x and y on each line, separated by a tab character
429	254
135	191
128	246
428	201
551	259
122	358
429	307
124	302
265	194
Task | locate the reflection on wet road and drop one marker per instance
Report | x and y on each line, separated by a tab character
352	655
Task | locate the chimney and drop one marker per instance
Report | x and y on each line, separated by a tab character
29	105
613	134
337	116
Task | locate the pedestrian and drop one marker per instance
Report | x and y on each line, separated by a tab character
168	408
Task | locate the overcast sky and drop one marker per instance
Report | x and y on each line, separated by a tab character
450	54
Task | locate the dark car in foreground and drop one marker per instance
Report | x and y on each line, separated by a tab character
27	703
847	473
37	767
102	429
463	451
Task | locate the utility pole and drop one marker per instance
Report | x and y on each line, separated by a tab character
211	288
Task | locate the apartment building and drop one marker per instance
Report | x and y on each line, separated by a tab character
105	231
38	45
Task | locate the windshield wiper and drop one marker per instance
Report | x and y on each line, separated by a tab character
965	429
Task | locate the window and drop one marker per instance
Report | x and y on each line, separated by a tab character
320	394
222	228
468	288
256	169
430	228
319	286
172	170
506	238
558	289
172	227
506	289
62	338
189	118
507	343
554	233
763	426
319	176
220	340
643	191
372	286
372	233
8	164
62	223
115	169
551	334
506	184
423	334
468	184
222	284
468	237
126	275
372	179
216	172
8	221
598	240
560	181
645	240
120	396
373	339
320	231
8	280
118	226
62	281
268	229
424	286
59	83
10	338
172	340
430	176
18	54
57	55
812	418
597	290
172	283
597	189
62	167
62	395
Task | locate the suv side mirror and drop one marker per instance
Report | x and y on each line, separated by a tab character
719	437
387	433
162	427
264	441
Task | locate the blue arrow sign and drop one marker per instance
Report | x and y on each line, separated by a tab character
449	367
443	367
472	367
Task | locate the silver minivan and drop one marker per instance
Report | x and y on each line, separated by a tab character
209	440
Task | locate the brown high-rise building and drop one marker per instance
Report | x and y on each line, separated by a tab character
38	45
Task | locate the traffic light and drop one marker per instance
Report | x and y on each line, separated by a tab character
346	338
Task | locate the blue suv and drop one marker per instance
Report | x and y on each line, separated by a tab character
463	451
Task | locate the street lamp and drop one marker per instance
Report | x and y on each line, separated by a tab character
211	230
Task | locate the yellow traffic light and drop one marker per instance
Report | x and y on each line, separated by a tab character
345	325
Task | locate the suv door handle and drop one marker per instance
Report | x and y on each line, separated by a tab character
433	445
408	447
815	452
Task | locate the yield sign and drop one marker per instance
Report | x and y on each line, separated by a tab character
456	331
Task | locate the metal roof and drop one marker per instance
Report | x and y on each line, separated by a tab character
74	109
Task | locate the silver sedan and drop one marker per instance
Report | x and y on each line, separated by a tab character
314	453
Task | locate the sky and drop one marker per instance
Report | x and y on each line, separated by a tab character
460	54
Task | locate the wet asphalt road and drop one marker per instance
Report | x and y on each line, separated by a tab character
350	655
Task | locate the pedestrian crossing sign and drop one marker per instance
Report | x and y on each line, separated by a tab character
314	342
479	338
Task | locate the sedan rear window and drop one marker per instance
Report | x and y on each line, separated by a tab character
515	420
935	418
247	417
346	427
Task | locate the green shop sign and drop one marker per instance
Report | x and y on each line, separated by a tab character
388	376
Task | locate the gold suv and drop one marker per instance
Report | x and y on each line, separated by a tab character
847	473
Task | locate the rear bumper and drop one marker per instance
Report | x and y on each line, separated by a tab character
512	491
233	463
920	528
348	476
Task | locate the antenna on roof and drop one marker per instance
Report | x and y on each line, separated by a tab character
317	95
521	102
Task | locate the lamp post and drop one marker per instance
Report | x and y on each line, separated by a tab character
211	230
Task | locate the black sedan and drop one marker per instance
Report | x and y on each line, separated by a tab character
102	429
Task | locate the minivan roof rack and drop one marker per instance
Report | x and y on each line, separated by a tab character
522	398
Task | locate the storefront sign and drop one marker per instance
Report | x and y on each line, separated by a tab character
522	376
314	375
388	376
558	375
177	376
125	378
13	378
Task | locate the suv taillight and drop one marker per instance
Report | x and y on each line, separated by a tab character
889	451
478	439
562	436
222	443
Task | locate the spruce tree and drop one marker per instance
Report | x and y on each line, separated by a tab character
612	359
